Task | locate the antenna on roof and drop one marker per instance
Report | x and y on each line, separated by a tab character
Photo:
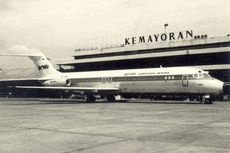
165	25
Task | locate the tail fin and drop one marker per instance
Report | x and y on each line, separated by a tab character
43	65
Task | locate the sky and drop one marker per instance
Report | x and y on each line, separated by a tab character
58	27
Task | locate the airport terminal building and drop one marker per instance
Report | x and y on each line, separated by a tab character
167	50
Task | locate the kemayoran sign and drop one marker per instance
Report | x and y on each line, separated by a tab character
181	35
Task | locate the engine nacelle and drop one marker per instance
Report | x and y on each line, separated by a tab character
63	82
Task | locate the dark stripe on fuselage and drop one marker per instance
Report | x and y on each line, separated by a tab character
134	78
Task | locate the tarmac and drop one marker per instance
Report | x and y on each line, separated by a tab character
59	126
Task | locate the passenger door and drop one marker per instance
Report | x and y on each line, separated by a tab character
185	80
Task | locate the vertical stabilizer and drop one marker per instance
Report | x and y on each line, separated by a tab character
42	64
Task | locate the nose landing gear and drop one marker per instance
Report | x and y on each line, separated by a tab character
206	99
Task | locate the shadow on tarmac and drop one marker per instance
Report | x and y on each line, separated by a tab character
68	101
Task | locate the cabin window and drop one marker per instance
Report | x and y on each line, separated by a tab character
199	76
195	75
206	75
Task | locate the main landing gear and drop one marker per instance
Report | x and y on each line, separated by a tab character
206	99
90	98
111	98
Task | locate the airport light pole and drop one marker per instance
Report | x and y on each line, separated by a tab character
165	26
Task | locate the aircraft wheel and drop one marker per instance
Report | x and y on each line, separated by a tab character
200	99
111	98
208	101
90	98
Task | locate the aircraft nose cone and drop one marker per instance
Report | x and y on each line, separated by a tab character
214	87
219	86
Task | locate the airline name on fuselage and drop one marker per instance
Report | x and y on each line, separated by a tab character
159	37
152	73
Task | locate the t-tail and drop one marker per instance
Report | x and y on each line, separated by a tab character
44	66
41	62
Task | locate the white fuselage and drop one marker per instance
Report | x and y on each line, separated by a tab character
153	80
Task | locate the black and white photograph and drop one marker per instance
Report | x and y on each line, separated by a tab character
114	76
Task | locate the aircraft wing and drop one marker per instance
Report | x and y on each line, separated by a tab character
83	89
20	82
35	83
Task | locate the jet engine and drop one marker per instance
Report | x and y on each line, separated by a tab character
63	82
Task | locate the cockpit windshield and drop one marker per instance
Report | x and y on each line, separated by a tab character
201	75
206	75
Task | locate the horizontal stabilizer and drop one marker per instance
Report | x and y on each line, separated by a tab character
26	79
41	62
23	55
20	50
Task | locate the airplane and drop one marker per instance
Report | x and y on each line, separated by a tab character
149	81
